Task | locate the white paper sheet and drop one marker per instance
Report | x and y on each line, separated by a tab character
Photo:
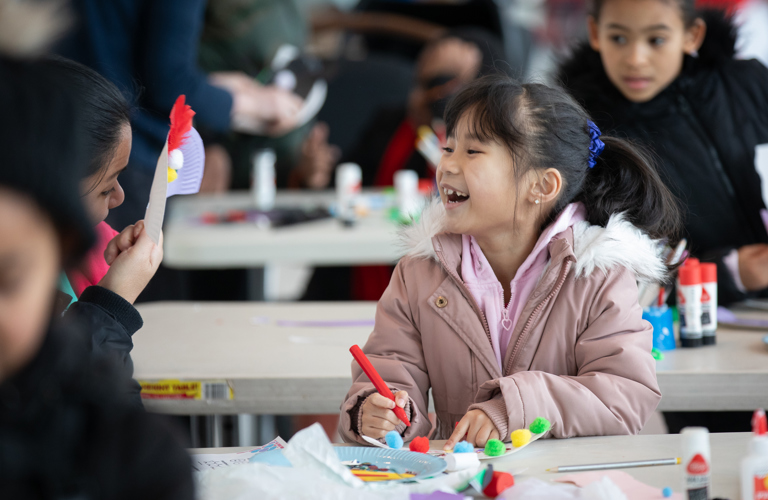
220	460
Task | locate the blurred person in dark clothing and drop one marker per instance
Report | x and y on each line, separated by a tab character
67	429
148	48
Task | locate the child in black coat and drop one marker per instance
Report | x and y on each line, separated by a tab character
665	75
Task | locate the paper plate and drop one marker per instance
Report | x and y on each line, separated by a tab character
397	461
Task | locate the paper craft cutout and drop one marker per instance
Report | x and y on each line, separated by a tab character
632	488
153	218
190	176
510	449
183	148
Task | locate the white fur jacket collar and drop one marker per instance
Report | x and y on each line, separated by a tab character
620	243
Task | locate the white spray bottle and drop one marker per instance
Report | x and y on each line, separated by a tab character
754	468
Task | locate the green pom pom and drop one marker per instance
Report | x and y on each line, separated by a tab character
494	448
539	425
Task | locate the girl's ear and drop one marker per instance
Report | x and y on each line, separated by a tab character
694	36
592	32
547	187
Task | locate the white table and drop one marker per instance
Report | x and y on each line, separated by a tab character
190	245
727	451
298	370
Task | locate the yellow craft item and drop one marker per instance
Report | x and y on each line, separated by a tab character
374	476
172	174
520	437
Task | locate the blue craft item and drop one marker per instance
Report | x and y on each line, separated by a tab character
660	319
394	440
463	447
667	492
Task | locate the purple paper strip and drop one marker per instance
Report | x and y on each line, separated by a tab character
191	174
327	323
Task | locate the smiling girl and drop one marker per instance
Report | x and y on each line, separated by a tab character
518	296
664	74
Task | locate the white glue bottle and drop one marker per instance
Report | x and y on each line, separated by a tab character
407	191
264	189
708	302
689	305
754	468
349	178
696	462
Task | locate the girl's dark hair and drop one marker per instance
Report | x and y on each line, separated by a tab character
687	9
42	151
103	110
543	127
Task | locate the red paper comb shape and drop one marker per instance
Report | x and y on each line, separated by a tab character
181	123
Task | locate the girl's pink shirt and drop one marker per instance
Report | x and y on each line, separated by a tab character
481	281
94	266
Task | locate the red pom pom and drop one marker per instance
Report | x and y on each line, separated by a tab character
500	482
419	445
181	123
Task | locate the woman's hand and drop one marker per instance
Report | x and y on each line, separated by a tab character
318	158
133	259
477	427
378	417
753	266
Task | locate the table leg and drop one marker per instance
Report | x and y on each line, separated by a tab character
256	284
267	425
247	430
194	430
215	431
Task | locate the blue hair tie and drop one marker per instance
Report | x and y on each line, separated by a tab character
596	146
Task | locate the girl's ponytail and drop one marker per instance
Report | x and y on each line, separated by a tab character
625	179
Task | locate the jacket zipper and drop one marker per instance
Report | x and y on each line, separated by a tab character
505	308
558	285
519	343
685	107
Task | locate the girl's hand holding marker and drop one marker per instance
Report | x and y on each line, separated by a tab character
378	416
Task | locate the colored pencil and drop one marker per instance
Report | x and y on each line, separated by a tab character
616	465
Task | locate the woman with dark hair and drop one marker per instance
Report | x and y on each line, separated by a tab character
66	428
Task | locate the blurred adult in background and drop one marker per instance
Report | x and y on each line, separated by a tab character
245	35
148	48
388	142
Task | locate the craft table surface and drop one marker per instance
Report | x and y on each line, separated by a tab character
188	245
306	370
727	451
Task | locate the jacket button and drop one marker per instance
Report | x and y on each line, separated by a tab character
441	302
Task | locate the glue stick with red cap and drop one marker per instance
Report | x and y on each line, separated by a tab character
689	305
754	468
708	302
